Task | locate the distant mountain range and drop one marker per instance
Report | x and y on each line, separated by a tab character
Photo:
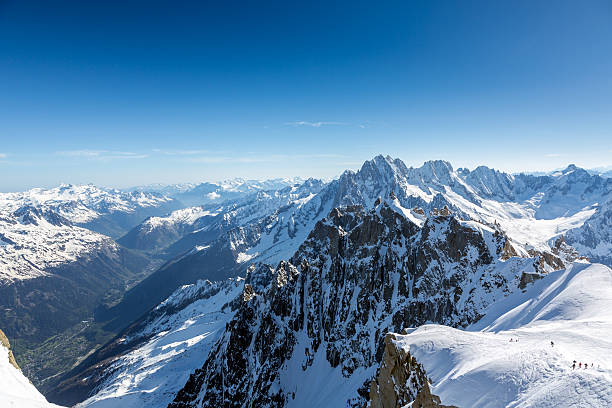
282	292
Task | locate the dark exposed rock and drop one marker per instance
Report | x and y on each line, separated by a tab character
401	380
5	342
358	276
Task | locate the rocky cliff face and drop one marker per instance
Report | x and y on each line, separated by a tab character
401	380
5	342
316	323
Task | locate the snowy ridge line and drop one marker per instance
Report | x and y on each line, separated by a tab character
521	353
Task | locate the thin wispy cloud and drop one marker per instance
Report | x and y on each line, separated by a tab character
315	124
80	153
3	156
102	155
263	159
181	152
305	123
124	156
222	159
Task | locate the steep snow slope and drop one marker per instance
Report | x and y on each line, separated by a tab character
158	353
16	391
480	367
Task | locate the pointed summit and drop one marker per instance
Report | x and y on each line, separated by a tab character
435	171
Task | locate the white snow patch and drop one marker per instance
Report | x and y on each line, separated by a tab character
480	367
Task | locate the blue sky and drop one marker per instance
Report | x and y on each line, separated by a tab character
118	94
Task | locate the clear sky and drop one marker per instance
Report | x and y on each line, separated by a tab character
124	93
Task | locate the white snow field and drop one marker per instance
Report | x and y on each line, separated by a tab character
16	391
481	367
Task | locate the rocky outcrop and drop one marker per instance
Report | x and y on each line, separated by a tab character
401	380
5	342
425	399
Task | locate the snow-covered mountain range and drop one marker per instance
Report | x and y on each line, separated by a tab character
532	210
282	293
214	193
108	211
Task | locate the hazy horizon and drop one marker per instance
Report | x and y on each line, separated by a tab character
127	186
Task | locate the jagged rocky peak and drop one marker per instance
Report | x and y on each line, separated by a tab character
573	174
489	182
570	168
359	275
400	377
383	174
436	171
5	343
384	167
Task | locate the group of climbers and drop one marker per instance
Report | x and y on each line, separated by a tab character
583	365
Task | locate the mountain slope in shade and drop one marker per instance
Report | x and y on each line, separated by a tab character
16	391
272	224
480	367
53	275
149	362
